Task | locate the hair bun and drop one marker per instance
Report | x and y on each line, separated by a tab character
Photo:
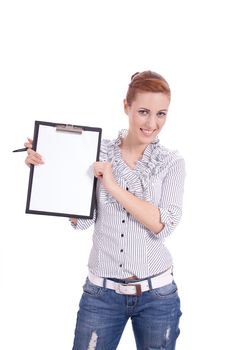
134	75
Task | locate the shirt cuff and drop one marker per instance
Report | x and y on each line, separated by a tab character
170	218
83	224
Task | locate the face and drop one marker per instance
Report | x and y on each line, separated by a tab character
147	116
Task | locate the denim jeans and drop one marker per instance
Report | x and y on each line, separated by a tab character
103	314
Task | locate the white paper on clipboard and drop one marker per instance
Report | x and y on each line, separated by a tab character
64	185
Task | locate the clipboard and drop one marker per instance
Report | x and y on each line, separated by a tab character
64	185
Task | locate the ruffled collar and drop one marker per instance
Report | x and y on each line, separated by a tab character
145	164
152	163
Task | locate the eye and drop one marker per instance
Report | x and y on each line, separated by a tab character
162	114
143	112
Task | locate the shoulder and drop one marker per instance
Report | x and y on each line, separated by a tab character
105	143
164	154
163	159
106	149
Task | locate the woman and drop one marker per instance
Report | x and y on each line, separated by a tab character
139	203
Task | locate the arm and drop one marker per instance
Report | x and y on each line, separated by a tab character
171	200
159	219
144	212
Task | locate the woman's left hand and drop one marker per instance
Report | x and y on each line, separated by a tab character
103	172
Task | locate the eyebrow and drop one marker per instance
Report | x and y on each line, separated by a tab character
148	110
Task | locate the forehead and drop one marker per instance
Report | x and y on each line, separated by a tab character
151	100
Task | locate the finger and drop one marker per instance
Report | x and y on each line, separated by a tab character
73	221
33	153
34	158
33	161
99	176
28	144
30	162
97	172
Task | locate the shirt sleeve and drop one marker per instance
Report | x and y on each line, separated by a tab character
171	201
83	224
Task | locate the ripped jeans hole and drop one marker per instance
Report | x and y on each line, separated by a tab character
93	341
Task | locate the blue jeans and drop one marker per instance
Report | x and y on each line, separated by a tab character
103	314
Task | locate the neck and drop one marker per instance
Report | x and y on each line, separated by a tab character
132	147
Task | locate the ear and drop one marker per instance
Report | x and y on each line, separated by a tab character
125	106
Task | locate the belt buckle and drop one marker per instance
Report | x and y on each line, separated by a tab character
138	288
122	289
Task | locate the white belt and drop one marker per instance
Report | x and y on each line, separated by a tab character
135	288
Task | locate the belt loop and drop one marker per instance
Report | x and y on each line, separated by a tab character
104	282
149	283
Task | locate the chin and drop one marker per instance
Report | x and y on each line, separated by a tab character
147	138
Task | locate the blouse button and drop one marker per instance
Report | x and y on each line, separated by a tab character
123	221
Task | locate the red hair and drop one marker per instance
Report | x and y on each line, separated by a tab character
146	81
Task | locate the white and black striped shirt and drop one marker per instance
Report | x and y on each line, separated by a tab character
123	247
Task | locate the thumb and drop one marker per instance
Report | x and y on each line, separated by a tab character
29	143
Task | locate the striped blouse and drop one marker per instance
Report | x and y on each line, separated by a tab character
122	246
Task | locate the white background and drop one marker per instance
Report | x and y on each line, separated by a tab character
71	61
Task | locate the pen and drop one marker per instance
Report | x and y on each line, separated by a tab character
21	149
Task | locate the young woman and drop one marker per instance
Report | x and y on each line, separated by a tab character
139	203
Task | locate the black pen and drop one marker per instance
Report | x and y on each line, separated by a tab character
21	149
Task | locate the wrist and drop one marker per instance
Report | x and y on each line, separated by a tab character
112	187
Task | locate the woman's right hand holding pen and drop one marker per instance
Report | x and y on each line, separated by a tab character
33	158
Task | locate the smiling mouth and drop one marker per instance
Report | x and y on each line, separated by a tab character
147	132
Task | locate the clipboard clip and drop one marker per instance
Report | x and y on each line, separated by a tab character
69	128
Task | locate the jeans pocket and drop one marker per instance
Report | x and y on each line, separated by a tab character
168	291
91	289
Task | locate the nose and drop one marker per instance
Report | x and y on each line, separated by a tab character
152	122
